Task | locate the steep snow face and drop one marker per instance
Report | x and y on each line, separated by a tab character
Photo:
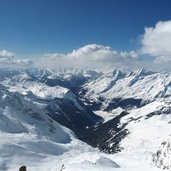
117	86
27	136
148	126
162	158
19	114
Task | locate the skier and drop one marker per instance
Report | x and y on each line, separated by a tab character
62	168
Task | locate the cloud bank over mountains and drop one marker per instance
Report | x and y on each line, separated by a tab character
89	55
9	59
155	43
6	54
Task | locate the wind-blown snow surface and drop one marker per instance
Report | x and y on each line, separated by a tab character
29	136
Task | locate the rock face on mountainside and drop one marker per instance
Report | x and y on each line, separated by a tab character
107	136
162	158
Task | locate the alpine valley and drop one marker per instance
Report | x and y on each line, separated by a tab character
85	119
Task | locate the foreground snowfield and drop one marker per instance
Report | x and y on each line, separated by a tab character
44	155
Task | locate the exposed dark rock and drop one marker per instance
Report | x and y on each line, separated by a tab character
162	157
124	103
106	136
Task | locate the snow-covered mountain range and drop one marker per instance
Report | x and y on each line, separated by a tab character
131	102
46	114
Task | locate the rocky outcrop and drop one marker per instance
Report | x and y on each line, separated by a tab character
162	159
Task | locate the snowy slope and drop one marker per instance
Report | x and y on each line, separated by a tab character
58	102
139	86
148	126
34	103
145	98
28	136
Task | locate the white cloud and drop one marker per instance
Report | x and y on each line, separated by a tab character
54	55
94	52
89	55
52	61
15	62
9	59
6	54
156	40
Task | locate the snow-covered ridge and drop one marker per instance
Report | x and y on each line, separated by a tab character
58	101
141	84
38	89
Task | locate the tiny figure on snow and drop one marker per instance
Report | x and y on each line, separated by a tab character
62	167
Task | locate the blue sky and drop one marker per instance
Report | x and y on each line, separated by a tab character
34	27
